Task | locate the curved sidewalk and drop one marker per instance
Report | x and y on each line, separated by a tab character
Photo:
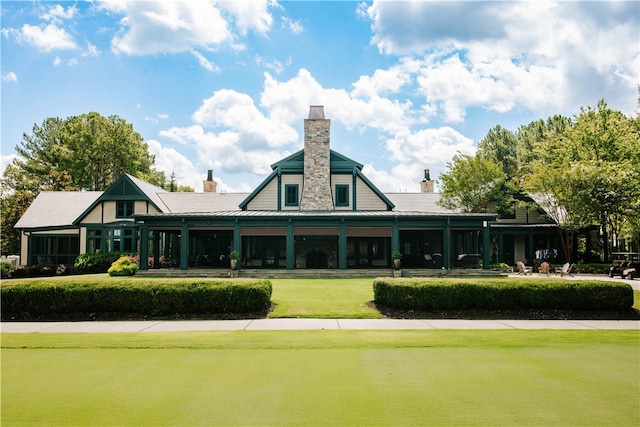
309	324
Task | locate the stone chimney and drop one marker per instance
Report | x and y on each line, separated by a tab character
209	186
427	185
316	187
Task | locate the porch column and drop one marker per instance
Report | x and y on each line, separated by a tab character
342	247
530	251
144	247
446	244
237	242
184	247
290	246
395	236
486	262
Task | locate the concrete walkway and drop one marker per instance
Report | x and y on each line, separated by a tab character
308	324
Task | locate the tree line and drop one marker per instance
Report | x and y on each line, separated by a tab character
87	152
583	171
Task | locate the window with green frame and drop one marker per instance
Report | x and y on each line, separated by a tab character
124	209
54	249
342	195
291	194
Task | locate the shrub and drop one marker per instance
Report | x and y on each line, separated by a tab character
124	266
5	269
52	299
98	262
464	294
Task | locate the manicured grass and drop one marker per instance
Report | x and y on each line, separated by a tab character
323	298
322	378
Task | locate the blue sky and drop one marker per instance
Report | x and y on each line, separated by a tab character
226	85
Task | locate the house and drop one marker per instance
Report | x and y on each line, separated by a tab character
315	210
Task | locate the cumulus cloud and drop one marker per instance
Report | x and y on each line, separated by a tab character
152	27
171	161
47	38
544	56
231	134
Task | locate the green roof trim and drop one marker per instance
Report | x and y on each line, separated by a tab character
128	187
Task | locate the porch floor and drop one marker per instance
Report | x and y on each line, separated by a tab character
313	273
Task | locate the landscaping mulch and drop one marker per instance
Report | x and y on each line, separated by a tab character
394	313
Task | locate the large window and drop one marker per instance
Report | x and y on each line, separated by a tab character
54	250
95	242
342	195
124	209
121	240
291	195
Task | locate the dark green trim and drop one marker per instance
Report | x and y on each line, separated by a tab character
279	191
144	247
129	192
342	247
290	247
184	247
342	188
354	196
287	200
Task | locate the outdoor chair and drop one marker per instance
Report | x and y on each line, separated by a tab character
544	268
523	270
565	270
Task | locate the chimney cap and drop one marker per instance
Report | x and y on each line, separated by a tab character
316	112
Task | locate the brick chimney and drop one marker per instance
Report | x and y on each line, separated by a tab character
316	187
209	186
427	185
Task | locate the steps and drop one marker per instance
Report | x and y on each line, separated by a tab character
316	273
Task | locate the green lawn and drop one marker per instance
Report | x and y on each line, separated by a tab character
562	378
323	298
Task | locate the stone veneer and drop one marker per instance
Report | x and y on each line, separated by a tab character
316	188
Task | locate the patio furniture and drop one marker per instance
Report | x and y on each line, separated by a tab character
565	270
523	270
544	268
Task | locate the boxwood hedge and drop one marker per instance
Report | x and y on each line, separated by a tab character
42	298
501	294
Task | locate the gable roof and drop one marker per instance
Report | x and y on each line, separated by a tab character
128	187
294	164
56	208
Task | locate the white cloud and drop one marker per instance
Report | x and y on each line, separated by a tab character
295	27
232	110
249	15
9	76
204	62
171	161
47	38
543	56
151	27
58	12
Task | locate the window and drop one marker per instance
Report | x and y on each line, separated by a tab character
342	195
291	194
124	209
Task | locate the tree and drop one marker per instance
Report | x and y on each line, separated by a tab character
81	152
471	183
591	169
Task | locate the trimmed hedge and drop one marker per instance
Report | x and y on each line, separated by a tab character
42	298
501	294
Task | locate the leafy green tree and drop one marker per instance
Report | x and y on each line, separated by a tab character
591	169
89	151
471	183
